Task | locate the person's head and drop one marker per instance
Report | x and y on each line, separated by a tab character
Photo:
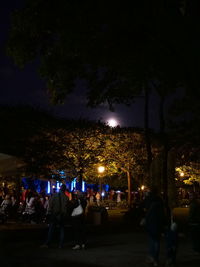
76	194
63	188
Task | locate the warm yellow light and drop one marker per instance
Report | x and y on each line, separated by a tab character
182	174
101	169
142	187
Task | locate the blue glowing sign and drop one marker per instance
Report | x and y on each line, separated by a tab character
83	186
48	187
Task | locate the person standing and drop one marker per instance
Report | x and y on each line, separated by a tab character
98	198
154	220
68	194
79	204
194	222
58	208
29	213
171	237
118	196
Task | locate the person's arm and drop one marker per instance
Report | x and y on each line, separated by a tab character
32	202
50	204
84	203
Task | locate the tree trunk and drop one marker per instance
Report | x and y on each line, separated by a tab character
164	171
80	180
172	190
161	116
164	141
129	187
147	135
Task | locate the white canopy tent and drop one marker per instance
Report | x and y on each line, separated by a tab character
10	165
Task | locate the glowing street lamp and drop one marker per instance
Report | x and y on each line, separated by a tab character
101	170
142	187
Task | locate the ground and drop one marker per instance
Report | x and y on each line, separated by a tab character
116	243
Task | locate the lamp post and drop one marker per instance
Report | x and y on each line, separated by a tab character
101	170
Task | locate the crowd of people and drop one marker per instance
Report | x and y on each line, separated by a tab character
32	207
29	207
64	206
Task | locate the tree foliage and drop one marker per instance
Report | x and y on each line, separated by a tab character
20	124
191	173
122	49
116	46
125	154
83	145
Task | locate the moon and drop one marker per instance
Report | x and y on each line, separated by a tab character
112	122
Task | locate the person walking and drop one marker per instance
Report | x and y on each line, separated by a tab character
58	209
154	219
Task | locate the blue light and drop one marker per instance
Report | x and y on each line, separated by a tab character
57	186
83	186
48	187
106	187
37	185
25	183
62	174
73	184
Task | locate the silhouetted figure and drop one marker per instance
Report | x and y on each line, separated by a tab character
194	223
58	208
154	220
171	237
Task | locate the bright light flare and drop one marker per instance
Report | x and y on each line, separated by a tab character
101	169
142	187
112	122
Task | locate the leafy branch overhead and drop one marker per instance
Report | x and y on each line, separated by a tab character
113	45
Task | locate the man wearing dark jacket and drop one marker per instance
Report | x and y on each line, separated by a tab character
58	209
154	220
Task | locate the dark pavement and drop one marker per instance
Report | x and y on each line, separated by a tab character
116	243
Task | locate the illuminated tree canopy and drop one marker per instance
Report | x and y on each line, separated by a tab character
189	174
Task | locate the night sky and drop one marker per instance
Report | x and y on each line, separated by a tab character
26	87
